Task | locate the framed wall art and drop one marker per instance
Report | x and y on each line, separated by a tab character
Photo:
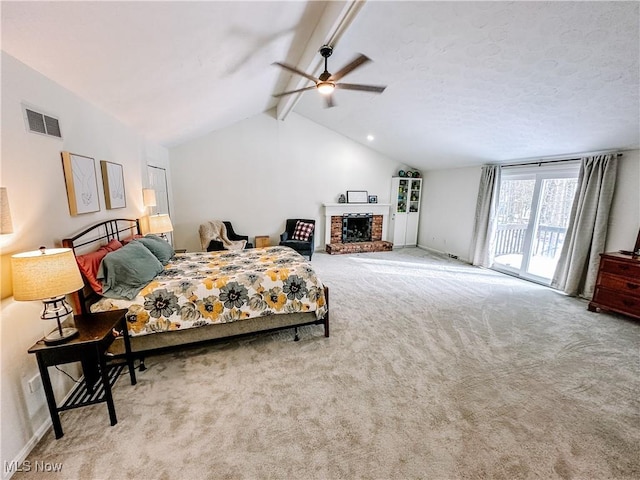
113	182
82	184
373	199
357	196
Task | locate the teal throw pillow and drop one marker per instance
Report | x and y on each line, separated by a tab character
159	247
126	271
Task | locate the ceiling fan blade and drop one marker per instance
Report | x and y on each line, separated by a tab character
295	70
329	101
355	63
312	87
362	88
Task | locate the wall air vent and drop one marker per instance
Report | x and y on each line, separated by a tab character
41	123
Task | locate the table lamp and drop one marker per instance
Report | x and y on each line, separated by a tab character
6	226
160	224
48	275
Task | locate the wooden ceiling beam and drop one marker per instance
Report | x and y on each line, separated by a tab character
335	20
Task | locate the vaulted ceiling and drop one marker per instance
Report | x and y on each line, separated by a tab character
467	82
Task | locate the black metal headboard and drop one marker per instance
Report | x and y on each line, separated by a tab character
90	240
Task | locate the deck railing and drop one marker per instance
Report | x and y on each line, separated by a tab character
510	239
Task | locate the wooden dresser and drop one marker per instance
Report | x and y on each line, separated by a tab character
618	285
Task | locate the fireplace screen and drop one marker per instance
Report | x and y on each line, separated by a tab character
356	227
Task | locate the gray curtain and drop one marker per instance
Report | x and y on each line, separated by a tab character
578	265
484	227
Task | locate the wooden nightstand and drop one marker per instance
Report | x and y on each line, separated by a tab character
95	335
262	241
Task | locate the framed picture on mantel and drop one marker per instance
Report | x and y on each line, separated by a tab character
357	196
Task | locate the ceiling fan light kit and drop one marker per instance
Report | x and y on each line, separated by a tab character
326	88
326	83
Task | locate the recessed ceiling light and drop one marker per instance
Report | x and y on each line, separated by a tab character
370	138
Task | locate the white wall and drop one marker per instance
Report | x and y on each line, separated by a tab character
261	171
32	172
624	219
447	209
449	201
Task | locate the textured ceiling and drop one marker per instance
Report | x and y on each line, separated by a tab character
468	82
490	81
172	70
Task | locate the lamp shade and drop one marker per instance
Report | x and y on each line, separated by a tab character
149	197
160	223
6	226
45	274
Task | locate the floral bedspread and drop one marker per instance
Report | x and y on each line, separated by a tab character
203	288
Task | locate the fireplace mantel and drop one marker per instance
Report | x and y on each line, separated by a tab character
334	209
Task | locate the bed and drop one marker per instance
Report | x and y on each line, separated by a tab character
199	296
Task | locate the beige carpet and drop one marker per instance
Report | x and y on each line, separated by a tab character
434	370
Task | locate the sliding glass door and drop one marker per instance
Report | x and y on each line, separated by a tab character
533	215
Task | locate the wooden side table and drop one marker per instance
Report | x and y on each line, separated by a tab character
95	335
262	241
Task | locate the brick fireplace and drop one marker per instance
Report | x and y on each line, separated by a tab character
339	215
337	225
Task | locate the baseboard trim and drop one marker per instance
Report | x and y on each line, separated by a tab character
35	438
439	252
26	450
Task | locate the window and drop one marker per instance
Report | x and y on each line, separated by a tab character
534	207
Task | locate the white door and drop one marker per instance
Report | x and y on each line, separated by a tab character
533	214
158	181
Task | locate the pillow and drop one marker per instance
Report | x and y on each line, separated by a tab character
159	247
89	265
303	231
113	245
126	271
131	238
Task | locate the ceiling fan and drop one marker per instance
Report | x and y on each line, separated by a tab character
326	83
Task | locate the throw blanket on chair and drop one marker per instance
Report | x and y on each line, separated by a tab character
216	230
